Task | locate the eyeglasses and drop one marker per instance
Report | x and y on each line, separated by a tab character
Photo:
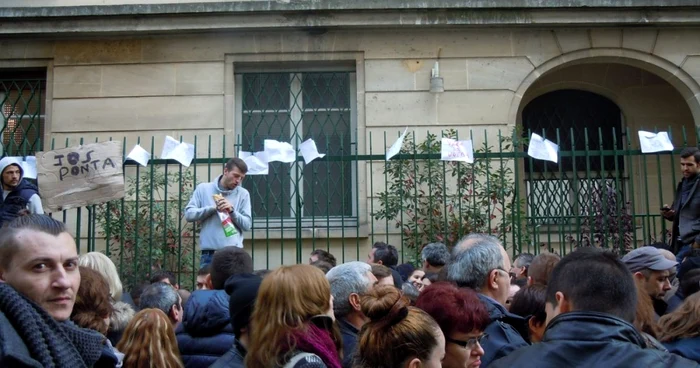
469	344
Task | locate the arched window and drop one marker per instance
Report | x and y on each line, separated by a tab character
588	128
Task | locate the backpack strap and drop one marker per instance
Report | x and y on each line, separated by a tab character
296	358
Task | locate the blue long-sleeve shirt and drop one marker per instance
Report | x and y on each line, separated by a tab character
202	208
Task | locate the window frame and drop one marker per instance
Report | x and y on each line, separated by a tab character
296	169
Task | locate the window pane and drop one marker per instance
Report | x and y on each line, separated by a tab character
326	90
266	91
269	194
22	115
328	185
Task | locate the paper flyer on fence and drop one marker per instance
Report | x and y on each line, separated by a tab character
309	151
396	147
256	161
276	151
454	150
542	149
180	152
139	155
654	142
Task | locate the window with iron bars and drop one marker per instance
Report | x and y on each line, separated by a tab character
22	110
292	106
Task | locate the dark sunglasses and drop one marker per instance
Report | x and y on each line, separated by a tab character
469	344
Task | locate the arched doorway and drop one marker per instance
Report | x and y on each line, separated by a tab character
603	191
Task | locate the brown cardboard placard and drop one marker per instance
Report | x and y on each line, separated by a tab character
80	176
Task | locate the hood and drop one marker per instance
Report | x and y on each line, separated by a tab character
206	313
7	161
122	314
591	326
222	190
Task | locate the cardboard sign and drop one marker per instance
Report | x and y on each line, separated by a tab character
80	176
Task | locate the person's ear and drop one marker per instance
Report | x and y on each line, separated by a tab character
563	303
175	313
493	275
530	281
638	276
207	281
354	300
379	262
414	363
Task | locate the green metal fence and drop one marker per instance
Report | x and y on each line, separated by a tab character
409	201
603	192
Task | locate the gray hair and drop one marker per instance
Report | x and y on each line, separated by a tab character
470	240
346	279
524	259
436	254
159	295
471	265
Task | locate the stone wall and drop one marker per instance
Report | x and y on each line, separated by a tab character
182	84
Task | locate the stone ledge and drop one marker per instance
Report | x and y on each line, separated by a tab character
321	21
43	8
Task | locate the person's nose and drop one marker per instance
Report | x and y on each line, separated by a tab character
61	280
667	285
478	350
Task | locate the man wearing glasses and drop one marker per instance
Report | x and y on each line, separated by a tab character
480	262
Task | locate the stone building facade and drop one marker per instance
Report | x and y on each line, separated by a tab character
127	68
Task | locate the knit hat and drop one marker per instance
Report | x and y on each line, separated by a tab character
242	290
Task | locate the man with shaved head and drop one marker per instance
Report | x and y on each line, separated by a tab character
39	280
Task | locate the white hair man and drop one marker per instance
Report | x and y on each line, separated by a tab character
480	262
349	282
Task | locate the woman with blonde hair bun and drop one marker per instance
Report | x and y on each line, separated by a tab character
292	322
149	342
397	335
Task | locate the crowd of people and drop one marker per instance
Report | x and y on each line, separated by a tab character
464	307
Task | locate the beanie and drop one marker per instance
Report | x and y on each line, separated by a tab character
242	290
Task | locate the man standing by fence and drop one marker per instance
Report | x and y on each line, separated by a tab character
18	195
685	211
214	203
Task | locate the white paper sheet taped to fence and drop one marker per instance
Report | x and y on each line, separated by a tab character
180	152
542	149
309	150
276	151
396	147
80	176
654	142
139	155
256	161
454	150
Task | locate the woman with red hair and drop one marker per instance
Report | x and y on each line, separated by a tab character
461	317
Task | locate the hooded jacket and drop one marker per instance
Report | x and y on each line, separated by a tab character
506	332
24	196
205	333
202	208
591	339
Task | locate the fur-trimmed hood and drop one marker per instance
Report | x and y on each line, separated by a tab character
121	316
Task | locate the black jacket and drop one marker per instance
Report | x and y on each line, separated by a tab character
349	335
589	339
16	201
686	223
506	332
234	357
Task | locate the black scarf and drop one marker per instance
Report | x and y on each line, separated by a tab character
51	343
